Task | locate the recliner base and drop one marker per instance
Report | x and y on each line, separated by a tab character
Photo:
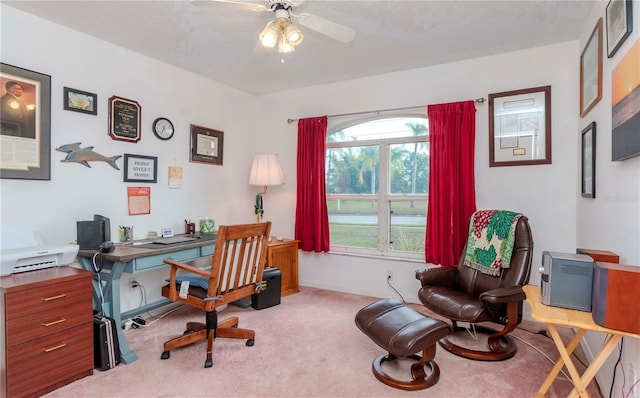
420	379
501	346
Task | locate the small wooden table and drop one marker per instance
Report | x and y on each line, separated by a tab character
583	322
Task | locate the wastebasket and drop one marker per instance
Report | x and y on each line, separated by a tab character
271	295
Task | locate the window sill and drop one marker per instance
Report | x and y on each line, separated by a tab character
387	256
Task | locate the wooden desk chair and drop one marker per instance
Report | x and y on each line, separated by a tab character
236	272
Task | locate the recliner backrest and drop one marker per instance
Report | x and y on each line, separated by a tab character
475	283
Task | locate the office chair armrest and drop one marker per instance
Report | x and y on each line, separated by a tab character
439	276
503	295
186	267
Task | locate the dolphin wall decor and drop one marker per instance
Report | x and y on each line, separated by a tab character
83	156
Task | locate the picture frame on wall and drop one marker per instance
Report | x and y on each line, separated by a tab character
589	161
520	127
591	71
25	123
206	145
124	119
625	106
139	168
619	24
80	101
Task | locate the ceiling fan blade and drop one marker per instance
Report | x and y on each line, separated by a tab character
326	27
244	5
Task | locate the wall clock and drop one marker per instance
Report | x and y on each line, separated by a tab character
163	128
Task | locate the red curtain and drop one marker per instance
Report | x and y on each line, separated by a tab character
312	219
452	196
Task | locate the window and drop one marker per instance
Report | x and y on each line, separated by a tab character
377	181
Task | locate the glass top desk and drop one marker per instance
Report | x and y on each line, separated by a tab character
583	322
134	259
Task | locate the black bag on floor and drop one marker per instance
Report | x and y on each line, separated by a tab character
106	350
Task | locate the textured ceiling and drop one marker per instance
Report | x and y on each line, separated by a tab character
222	43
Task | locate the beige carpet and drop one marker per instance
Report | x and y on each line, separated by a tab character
308	346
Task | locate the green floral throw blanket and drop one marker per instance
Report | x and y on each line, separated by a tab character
490	242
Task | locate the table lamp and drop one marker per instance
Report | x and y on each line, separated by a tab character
265	171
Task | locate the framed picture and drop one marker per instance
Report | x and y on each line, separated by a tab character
619	24
138	168
591	71
520	127
589	161
206	145
80	101
25	124
625	106
124	119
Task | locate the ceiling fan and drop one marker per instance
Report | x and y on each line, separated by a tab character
282	31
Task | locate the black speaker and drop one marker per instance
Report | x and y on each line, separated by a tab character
271	295
90	234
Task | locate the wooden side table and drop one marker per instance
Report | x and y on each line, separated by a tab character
283	254
583	322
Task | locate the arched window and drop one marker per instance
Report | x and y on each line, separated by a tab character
377	181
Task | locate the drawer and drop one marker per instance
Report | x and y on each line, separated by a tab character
206	250
45	323
49	360
157	261
49	298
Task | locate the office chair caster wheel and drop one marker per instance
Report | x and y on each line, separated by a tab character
208	363
165	355
250	343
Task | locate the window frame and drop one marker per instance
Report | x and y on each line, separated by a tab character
383	195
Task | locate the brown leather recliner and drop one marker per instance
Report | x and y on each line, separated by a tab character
463	294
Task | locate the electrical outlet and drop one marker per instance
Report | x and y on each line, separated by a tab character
390	276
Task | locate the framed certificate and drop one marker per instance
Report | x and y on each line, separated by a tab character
206	145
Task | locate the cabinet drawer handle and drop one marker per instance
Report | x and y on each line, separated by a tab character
54	322
54	297
54	348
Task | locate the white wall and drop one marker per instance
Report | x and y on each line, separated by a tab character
611	221
546	193
76	192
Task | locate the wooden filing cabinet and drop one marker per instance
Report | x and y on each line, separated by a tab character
47	325
284	255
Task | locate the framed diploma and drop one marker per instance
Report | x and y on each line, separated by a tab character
206	145
124	119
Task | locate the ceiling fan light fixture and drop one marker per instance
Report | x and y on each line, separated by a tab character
293	35
269	35
284	46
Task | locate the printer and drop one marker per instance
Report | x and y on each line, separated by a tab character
20	252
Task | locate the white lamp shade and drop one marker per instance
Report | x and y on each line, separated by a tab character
266	170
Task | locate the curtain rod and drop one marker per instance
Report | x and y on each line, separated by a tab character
480	100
